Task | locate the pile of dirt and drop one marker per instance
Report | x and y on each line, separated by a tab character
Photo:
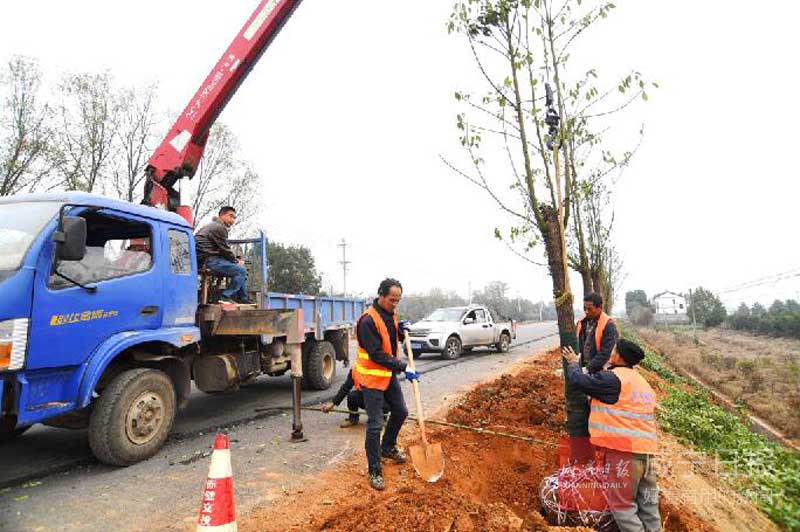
490	483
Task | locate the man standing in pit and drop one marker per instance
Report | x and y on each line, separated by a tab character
622	428
597	333
375	374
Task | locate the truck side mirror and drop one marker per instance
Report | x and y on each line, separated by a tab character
71	239
468	321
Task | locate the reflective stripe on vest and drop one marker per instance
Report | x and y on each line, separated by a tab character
602	321
366	372
629	424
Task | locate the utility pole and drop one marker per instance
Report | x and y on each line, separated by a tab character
469	292
694	318
344	262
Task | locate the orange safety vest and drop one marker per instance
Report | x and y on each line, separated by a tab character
628	425
366	372
602	321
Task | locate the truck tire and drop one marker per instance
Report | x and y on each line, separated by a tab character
504	344
452	348
132	417
319	366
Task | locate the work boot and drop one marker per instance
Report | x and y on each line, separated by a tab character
349	422
376	481
395	454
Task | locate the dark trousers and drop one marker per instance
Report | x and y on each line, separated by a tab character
355	402
373	400
237	286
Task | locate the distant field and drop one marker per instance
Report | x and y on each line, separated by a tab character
760	372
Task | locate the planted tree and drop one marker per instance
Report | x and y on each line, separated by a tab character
521	49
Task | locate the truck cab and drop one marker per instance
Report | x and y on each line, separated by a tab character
103	324
453	330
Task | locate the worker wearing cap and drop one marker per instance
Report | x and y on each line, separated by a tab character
622	427
597	333
375	374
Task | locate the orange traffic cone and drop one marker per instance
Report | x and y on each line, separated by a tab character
218	512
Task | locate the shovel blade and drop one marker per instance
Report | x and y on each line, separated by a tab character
428	465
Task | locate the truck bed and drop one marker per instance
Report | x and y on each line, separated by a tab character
321	313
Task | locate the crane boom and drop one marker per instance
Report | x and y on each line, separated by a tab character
179	154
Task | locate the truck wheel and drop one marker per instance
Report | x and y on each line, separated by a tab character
504	344
452	348
319	366
132	418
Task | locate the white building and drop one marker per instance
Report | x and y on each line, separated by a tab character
670	304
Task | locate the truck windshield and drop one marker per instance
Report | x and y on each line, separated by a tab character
20	223
446	314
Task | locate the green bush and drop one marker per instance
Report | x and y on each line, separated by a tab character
782	319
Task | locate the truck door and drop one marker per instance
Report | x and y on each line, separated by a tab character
471	329
486	330
123	263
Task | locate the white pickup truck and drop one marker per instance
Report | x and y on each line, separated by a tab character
451	331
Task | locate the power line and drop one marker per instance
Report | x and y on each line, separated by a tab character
344	262
770	279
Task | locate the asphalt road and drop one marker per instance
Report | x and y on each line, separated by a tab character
61	458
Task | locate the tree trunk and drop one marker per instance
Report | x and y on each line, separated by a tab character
587	281
601	287
576	402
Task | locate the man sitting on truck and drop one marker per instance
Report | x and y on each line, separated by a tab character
215	254
374	373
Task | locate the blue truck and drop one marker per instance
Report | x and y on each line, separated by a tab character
105	323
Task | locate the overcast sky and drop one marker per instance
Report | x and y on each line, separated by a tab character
346	114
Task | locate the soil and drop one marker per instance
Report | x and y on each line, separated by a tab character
490	483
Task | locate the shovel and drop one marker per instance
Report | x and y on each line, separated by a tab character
428	460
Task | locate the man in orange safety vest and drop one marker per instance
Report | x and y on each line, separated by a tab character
375	374
622	427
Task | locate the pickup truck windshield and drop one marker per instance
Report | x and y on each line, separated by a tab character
20	224
445	314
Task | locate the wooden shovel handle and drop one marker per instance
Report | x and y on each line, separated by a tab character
417	398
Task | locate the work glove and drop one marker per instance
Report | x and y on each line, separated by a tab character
404	325
412	375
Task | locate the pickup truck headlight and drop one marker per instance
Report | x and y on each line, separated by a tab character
13	343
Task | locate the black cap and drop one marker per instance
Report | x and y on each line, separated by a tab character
629	351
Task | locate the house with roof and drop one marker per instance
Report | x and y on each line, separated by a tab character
670	307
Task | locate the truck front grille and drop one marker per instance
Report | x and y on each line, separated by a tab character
419	333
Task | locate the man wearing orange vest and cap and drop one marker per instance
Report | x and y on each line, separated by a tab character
375	374
597	333
622	427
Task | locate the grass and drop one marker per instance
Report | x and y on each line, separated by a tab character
766	473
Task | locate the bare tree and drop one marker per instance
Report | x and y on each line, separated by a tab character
225	178
218	165
88	112
25	131
521	48
134	137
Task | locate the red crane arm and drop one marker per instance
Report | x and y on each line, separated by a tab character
180	152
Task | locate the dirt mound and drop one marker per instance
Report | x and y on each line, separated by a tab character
490	483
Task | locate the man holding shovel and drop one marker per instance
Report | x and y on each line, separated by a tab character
375	374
